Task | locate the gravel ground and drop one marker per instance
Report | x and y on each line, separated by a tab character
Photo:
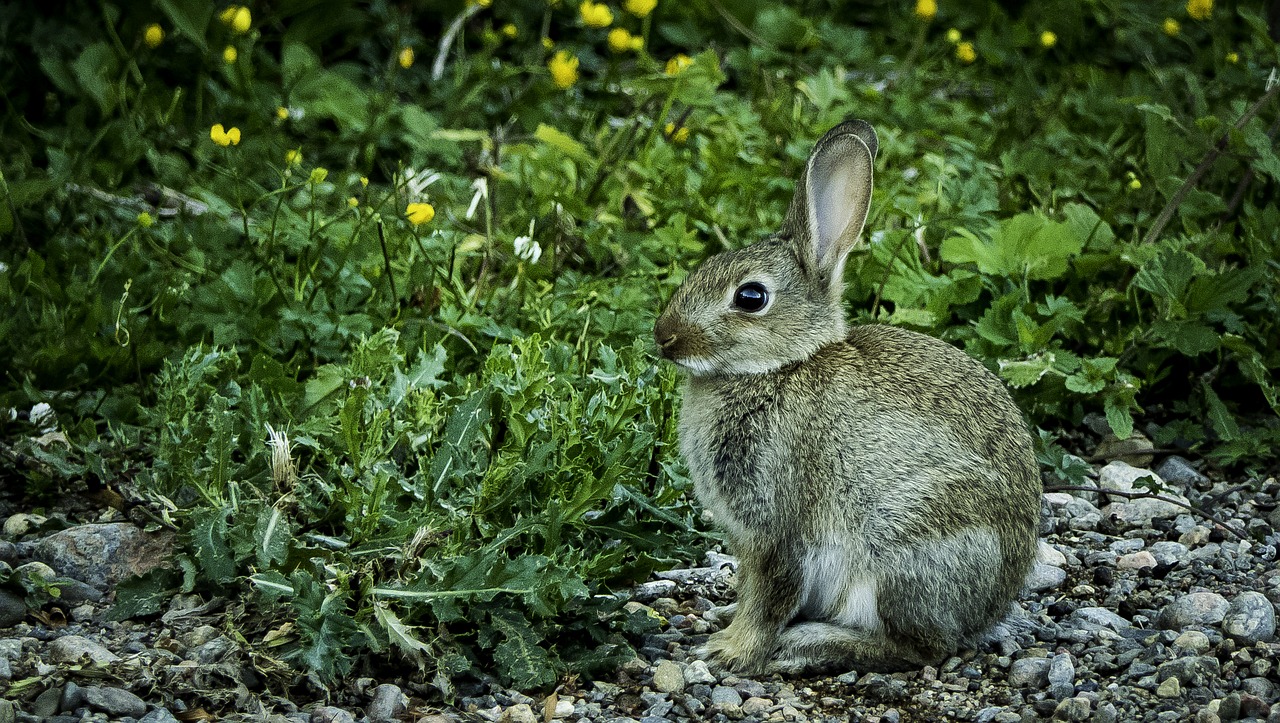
1136	611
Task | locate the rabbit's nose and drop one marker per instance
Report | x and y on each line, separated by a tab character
664	335
666	341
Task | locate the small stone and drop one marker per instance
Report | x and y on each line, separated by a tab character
1136	560
1044	577
1179	471
723	695
698	672
1191	672
756	706
1168	552
1251	706
1197	535
115	701
1029	673
387	704
1170	688
563	709
8	711
668	677
331	714
521	713
1061	675
72	697
1197	608
22	523
159	715
1103	617
1049	555
1193	641
1106	713
46	704
652	590
1251	618
751	688
12	609
1075	709
73	648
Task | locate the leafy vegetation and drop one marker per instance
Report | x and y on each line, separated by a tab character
358	296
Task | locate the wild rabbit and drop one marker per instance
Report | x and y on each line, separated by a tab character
877	485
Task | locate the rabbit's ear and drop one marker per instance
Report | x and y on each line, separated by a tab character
832	199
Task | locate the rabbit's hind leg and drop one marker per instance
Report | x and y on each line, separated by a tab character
814	647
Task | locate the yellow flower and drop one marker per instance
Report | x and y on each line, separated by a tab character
678	64
153	35
965	53
640	8
293	156
317	176
548	43
953	36
595	15
229	54
619	40
364	181
1171	27
510	31
229	15
1135	184
637	43
564	69
145	220
926	9
1048	39
224	137
241	21
679	135
282	113
1233	57
352	202
420	213
1200	9
405	58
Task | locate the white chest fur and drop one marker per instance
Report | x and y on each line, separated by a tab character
836	588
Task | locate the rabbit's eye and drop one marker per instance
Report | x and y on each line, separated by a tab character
751	296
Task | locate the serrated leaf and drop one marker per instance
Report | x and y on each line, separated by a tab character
1188	337
464	436
525	663
1224	423
1025	372
209	540
401	635
1118	417
271	585
1169	274
144	594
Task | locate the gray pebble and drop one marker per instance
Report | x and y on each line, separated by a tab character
756	706
519	713
1193	672
698	672
12	609
46	704
1076	709
1044	577
724	695
115	701
330	714
387	704
1197	608
1102	617
1250	618
73	648
1029	673
1179	471
1168	552
159	715
72	697
668	677
753	688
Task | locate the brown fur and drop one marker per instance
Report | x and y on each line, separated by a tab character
878	486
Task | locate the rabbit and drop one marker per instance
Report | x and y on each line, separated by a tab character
878	485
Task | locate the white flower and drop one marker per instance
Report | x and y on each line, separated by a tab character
417	181
283	471
526	248
482	191
43	416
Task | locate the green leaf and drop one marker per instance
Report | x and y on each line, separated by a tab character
563	143
1024	245
1025	372
1169	274
1118	417
520	658
400	635
1224	423
145	594
1188	337
209	539
190	18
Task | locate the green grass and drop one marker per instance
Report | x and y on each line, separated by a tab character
479	446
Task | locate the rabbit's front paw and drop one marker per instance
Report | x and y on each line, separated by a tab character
744	653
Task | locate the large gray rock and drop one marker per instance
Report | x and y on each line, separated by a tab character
105	554
115	701
1250	618
1197	608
